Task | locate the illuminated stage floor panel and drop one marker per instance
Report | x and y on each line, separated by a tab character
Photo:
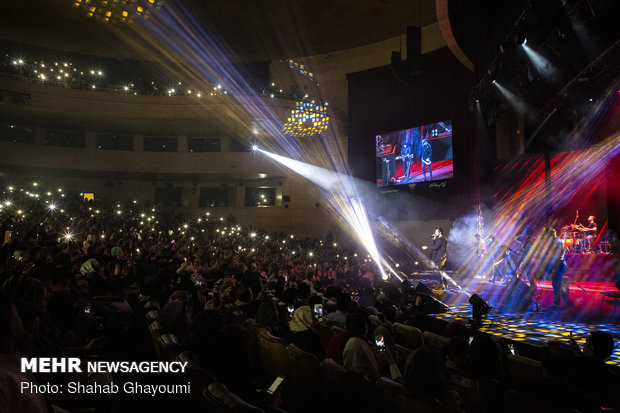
535	327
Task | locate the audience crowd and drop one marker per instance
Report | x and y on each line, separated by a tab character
86	281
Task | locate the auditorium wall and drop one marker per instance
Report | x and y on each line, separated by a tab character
378	102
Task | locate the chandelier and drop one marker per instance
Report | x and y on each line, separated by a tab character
307	119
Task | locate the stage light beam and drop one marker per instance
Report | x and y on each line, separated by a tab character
514	100
342	195
541	64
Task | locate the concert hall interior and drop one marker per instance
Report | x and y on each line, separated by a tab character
187	180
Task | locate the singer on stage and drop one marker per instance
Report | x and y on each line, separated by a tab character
439	250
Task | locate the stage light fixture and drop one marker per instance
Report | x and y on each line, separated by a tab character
123	11
307	119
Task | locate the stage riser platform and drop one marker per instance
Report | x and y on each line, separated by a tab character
586	268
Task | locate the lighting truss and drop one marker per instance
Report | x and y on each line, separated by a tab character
118	10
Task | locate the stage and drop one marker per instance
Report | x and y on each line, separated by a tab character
590	267
587	277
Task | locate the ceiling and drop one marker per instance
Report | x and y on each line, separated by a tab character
256	30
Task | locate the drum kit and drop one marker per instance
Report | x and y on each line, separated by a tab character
575	240
572	239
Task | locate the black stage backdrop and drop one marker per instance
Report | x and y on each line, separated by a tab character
378	102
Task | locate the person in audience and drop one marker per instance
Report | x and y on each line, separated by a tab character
202	333
456	328
384	329
359	356
557	361
343	301
303	294
457	354
289	297
92	271
303	328
267	314
176	314
185	283
12	399
485	357
245	301
590	373
31	345
427	375
159	287
27	289
61	307
336	345
120	326
31	297
232	363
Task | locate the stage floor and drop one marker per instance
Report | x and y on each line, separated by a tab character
441	170
536	326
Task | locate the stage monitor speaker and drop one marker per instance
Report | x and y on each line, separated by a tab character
420	288
479	305
430	305
518	296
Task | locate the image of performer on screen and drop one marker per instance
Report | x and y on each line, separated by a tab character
425	157
406	153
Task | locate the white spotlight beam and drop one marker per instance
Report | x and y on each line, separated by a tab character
342	196
541	64
512	98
